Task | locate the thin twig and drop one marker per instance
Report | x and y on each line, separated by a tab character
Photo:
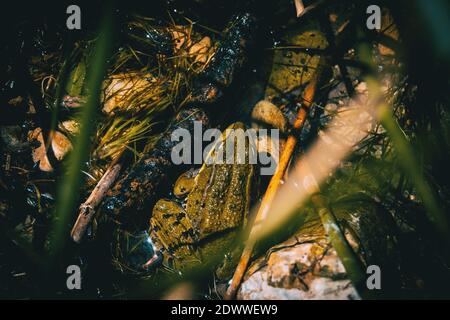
88	208
273	185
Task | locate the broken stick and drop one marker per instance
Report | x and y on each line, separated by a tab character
88	208
274	183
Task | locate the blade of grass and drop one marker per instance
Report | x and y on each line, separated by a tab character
350	260
68	189
405	152
61	82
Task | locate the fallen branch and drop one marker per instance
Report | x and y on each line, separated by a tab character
274	184
88	208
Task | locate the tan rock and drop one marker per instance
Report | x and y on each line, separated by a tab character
120	88
200	50
266	112
61	145
304	267
181	36
71	126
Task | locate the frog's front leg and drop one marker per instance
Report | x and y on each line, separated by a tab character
173	233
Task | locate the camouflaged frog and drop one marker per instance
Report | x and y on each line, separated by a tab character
212	206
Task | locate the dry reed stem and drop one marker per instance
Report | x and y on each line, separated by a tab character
274	184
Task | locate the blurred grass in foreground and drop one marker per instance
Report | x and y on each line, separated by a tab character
404	150
70	184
